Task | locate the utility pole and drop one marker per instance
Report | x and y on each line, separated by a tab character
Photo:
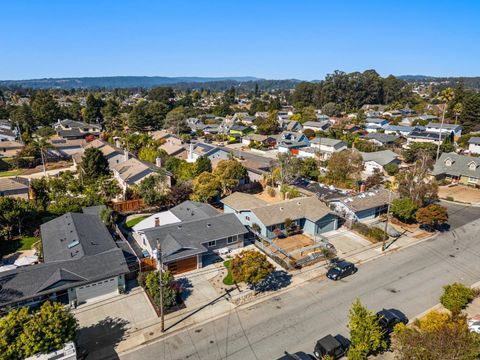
385	236
160	273
440	133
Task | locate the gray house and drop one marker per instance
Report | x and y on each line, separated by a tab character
365	206
82	263
309	213
192	231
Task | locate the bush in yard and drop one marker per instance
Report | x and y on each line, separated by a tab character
432	215
251	267
404	209
391	169
455	297
366	334
372	233
171	290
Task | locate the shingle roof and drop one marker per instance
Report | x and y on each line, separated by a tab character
380	157
10	184
460	165
309	207
190	210
474	140
383	138
335	143
243	201
186	239
368	200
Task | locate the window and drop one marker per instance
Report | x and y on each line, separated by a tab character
212	243
231	239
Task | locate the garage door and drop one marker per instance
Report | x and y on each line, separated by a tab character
182	266
97	291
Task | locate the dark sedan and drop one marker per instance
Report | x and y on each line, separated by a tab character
341	269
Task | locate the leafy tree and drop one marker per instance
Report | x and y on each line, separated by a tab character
179	193
170	288
289	167
365	146
138	119
94	164
437	336
24	117
432	215
44	108
309	133
93	109
206	187
331	109
344	167
154	190
366	334
404	209
223	109
415	149
15	214
110	114
156	113
391	169
455	297
267	126
202	164
175	120
230	172
374	180
47	329
416	182
148	153
251	267
11	327
163	95
310	169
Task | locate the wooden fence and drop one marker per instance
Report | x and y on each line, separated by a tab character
128	205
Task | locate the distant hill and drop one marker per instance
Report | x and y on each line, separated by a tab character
110	82
472	82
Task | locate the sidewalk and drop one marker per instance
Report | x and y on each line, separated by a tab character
204	311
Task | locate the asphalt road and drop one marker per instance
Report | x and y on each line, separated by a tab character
460	214
410	280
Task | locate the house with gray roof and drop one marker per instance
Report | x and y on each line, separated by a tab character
436	128
364	206
326	146
377	160
14	187
72	129
457	169
381	139
309	213
317	125
474	145
198	231
288	141
82	263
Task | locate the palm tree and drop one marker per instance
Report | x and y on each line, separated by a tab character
446	95
457	109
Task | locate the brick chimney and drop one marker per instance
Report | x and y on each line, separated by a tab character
157	221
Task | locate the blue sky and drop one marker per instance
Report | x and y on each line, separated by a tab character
266	38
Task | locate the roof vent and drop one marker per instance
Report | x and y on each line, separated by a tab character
299	203
281	209
208	225
179	226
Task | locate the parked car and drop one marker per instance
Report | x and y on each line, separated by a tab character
334	346
296	356
388	318
341	269
474	324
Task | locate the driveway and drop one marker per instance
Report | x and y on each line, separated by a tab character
346	241
464	194
104	324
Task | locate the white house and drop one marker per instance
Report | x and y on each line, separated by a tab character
326	146
377	160
436	128
474	145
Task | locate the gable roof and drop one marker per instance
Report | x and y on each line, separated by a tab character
368	200
459	165
243	201
383	138
382	158
186	239
335	143
474	140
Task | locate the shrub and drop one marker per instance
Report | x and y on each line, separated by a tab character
391	169
374	234
271	191
404	209
455	297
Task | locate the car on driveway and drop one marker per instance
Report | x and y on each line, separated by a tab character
388	318
333	346
341	269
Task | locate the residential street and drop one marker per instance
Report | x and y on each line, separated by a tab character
410	280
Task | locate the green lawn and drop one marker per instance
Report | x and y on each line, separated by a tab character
228	280
132	222
12	246
9	173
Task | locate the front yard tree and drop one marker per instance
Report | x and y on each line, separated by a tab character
94	164
416	182
310	169
366	334
153	189
251	267
206	187
289	167
49	328
436	336
455	297
432	215
404	209
202	164
11	326
230	172
344	167
170	288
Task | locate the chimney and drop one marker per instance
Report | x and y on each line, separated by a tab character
157	221
158	162
190	151
125	154
118	142
362	187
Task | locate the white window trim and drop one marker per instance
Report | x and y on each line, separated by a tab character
209	244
